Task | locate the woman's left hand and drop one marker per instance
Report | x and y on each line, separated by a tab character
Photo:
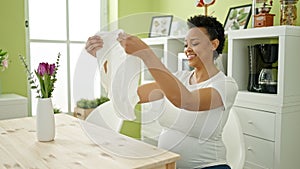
93	44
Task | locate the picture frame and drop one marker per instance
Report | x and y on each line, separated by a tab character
178	28
238	17
160	26
183	63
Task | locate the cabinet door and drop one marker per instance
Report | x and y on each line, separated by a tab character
13	111
13	106
259	153
257	123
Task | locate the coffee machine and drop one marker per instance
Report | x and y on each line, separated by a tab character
263	68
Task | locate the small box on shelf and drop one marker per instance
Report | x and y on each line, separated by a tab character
82	113
263	19
85	106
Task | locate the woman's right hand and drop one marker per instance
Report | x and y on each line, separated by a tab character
133	45
93	44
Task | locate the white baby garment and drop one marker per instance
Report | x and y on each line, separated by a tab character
122	77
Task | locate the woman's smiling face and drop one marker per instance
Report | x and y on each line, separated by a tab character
198	46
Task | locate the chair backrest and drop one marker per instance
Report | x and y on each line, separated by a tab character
105	116
234	141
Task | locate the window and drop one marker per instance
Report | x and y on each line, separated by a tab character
63	26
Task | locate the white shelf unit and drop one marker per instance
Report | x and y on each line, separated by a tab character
167	49
270	122
13	106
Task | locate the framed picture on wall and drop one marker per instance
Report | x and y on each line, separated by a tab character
160	26
238	17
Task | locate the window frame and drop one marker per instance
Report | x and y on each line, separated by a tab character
103	21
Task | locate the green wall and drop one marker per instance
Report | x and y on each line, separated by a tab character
140	12
12	39
184	10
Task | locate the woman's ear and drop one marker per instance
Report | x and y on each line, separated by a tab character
215	43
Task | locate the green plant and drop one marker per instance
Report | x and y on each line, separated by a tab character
90	104
3	60
102	100
56	110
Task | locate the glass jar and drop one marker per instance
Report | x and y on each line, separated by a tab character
288	12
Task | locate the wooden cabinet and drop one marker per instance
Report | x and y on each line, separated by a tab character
13	106
270	122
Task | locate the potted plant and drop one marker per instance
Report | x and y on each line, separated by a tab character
85	106
45	74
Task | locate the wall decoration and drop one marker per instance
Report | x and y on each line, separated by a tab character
262	15
238	17
205	4
160	26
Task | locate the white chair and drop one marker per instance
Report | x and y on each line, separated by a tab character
105	116
234	141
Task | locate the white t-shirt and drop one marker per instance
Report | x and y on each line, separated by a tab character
197	135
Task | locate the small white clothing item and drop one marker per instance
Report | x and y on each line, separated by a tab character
197	135
122	77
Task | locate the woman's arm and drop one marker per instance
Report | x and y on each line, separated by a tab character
173	89
149	92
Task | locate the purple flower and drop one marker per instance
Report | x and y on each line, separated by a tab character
3	60
51	69
4	64
42	69
45	68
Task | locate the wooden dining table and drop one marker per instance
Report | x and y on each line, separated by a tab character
77	144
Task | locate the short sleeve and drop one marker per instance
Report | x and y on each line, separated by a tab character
227	89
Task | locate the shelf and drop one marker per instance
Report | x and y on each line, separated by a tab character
13	106
262	101
263	32
167	49
287	37
268	120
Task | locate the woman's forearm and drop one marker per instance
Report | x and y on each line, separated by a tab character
173	89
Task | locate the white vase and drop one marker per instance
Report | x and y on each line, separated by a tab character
45	122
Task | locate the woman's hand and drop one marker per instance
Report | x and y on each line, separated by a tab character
133	45
93	44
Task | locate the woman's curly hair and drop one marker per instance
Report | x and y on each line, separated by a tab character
214	28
